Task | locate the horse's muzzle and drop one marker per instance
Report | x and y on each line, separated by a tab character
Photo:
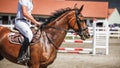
84	35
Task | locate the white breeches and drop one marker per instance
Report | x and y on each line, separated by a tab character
24	28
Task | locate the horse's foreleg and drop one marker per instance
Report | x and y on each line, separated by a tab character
35	56
34	66
1	57
43	66
37	66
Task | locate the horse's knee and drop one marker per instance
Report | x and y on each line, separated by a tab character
1	57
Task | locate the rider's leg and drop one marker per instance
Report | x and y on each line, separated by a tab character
24	29
23	49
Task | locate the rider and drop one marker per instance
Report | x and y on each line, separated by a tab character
22	23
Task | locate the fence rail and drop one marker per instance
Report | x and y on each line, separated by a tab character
113	32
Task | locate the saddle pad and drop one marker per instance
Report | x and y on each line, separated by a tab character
17	38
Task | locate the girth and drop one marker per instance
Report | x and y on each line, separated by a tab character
17	37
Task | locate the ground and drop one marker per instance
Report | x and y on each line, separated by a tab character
68	60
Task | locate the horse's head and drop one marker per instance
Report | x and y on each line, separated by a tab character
78	24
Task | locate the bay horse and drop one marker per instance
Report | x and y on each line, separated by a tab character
53	32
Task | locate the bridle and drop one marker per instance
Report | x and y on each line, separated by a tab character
78	21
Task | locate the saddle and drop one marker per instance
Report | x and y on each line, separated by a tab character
17	38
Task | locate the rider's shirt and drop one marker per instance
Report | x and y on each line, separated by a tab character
28	4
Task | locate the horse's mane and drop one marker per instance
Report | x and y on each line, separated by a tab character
56	15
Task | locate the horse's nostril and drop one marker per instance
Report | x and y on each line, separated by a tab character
89	35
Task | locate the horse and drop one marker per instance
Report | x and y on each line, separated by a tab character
52	34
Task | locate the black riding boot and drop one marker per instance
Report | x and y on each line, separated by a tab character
22	53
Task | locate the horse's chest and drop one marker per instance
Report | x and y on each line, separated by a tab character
49	54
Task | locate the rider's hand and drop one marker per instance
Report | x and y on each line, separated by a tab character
38	23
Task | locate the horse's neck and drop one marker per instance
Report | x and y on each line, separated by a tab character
57	36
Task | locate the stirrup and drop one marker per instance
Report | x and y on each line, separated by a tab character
23	60
20	61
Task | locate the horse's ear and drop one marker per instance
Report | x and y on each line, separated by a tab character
81	8
75	6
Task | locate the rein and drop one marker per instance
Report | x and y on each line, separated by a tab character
60	29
